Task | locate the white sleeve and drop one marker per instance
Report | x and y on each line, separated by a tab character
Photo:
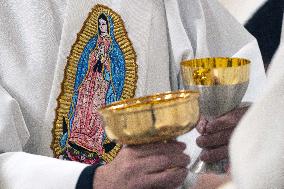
19	170
203	28
22	170
257	146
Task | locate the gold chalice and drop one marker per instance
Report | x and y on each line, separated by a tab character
149	119
222	83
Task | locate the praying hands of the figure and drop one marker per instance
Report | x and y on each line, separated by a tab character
216	134
159	166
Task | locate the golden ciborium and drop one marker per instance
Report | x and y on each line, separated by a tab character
149	119
222	83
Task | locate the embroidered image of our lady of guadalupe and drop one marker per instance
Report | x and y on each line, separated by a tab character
100	70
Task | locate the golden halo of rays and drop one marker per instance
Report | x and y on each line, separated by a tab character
89	30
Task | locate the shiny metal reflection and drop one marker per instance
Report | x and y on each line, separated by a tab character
153	118
217	100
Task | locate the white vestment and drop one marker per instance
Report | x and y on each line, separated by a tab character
242	10
257	146
35	39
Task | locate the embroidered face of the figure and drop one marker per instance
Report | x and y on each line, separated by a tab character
103	25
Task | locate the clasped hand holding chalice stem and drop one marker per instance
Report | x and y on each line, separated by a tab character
214	87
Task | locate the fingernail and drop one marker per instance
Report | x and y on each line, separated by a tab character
202	129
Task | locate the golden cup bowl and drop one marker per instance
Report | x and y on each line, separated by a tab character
149	119
215	71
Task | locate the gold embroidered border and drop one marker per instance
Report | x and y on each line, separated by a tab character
89	30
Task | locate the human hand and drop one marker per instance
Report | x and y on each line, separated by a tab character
210	181
216	134
159	165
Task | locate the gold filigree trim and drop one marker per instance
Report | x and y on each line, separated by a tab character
89	30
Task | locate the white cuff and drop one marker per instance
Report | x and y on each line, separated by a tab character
25	171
